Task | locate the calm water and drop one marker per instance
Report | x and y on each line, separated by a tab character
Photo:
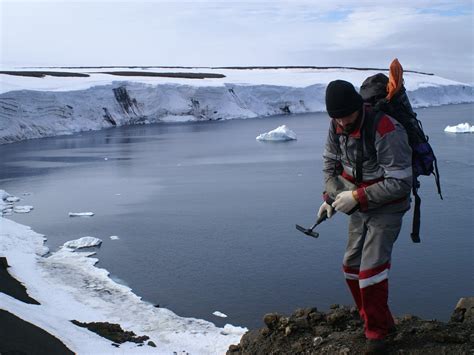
206	214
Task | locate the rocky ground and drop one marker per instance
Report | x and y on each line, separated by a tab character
340	331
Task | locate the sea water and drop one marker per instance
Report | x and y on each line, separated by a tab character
205	214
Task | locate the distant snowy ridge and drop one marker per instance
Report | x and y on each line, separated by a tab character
40	107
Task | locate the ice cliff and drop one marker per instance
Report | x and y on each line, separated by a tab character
40	107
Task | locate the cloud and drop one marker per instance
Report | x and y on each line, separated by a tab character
432	35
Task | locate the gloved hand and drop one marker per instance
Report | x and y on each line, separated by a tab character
345	202
325	207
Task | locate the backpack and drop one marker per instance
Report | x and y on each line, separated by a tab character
374	92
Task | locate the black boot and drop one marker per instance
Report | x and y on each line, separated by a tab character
375	347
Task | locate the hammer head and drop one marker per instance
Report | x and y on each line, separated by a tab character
308	232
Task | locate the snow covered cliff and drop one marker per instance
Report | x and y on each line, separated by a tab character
33	107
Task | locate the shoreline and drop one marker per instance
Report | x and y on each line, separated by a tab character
69	287
306	331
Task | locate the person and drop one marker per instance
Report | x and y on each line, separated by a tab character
368	174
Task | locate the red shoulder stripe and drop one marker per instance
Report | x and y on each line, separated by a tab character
385	126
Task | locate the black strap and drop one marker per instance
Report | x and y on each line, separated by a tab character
359	158
436	174
415	230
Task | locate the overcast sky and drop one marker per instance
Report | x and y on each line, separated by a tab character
428	35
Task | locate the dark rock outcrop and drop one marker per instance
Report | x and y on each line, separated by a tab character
340	331
113	332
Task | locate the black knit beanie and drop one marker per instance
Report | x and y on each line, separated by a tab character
342	99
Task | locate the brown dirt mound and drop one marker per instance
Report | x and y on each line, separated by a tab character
340	331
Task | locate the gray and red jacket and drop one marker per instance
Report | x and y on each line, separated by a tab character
386	163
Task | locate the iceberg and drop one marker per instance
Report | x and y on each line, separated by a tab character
281	133
460	128
84	242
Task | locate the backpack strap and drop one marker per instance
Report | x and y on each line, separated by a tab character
367	136
415	229
360	158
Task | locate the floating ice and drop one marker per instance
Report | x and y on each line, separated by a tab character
12	199
281	133
219	314
7	212
81	214
69	286
84	242
460	128
22	209
114	237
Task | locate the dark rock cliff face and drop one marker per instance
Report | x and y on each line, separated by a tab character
340	331
127	104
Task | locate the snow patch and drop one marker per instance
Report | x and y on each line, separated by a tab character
460	128
281	133
84	242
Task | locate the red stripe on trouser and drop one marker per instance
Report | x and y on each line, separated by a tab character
355	290
378	318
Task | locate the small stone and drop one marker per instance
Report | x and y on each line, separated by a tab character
335	306
152	344
471	338
234	348
299	312
265	332
317	341
271	320
287	331
315	317
297	347
344	351
301	323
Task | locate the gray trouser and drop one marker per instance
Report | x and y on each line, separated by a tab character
371	238
366	266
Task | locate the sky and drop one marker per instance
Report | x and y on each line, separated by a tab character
435	36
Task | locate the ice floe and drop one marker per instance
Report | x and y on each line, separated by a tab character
22	209
219	314
460	128
7	204
12	199
81	214
282	133
114	237
84	242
